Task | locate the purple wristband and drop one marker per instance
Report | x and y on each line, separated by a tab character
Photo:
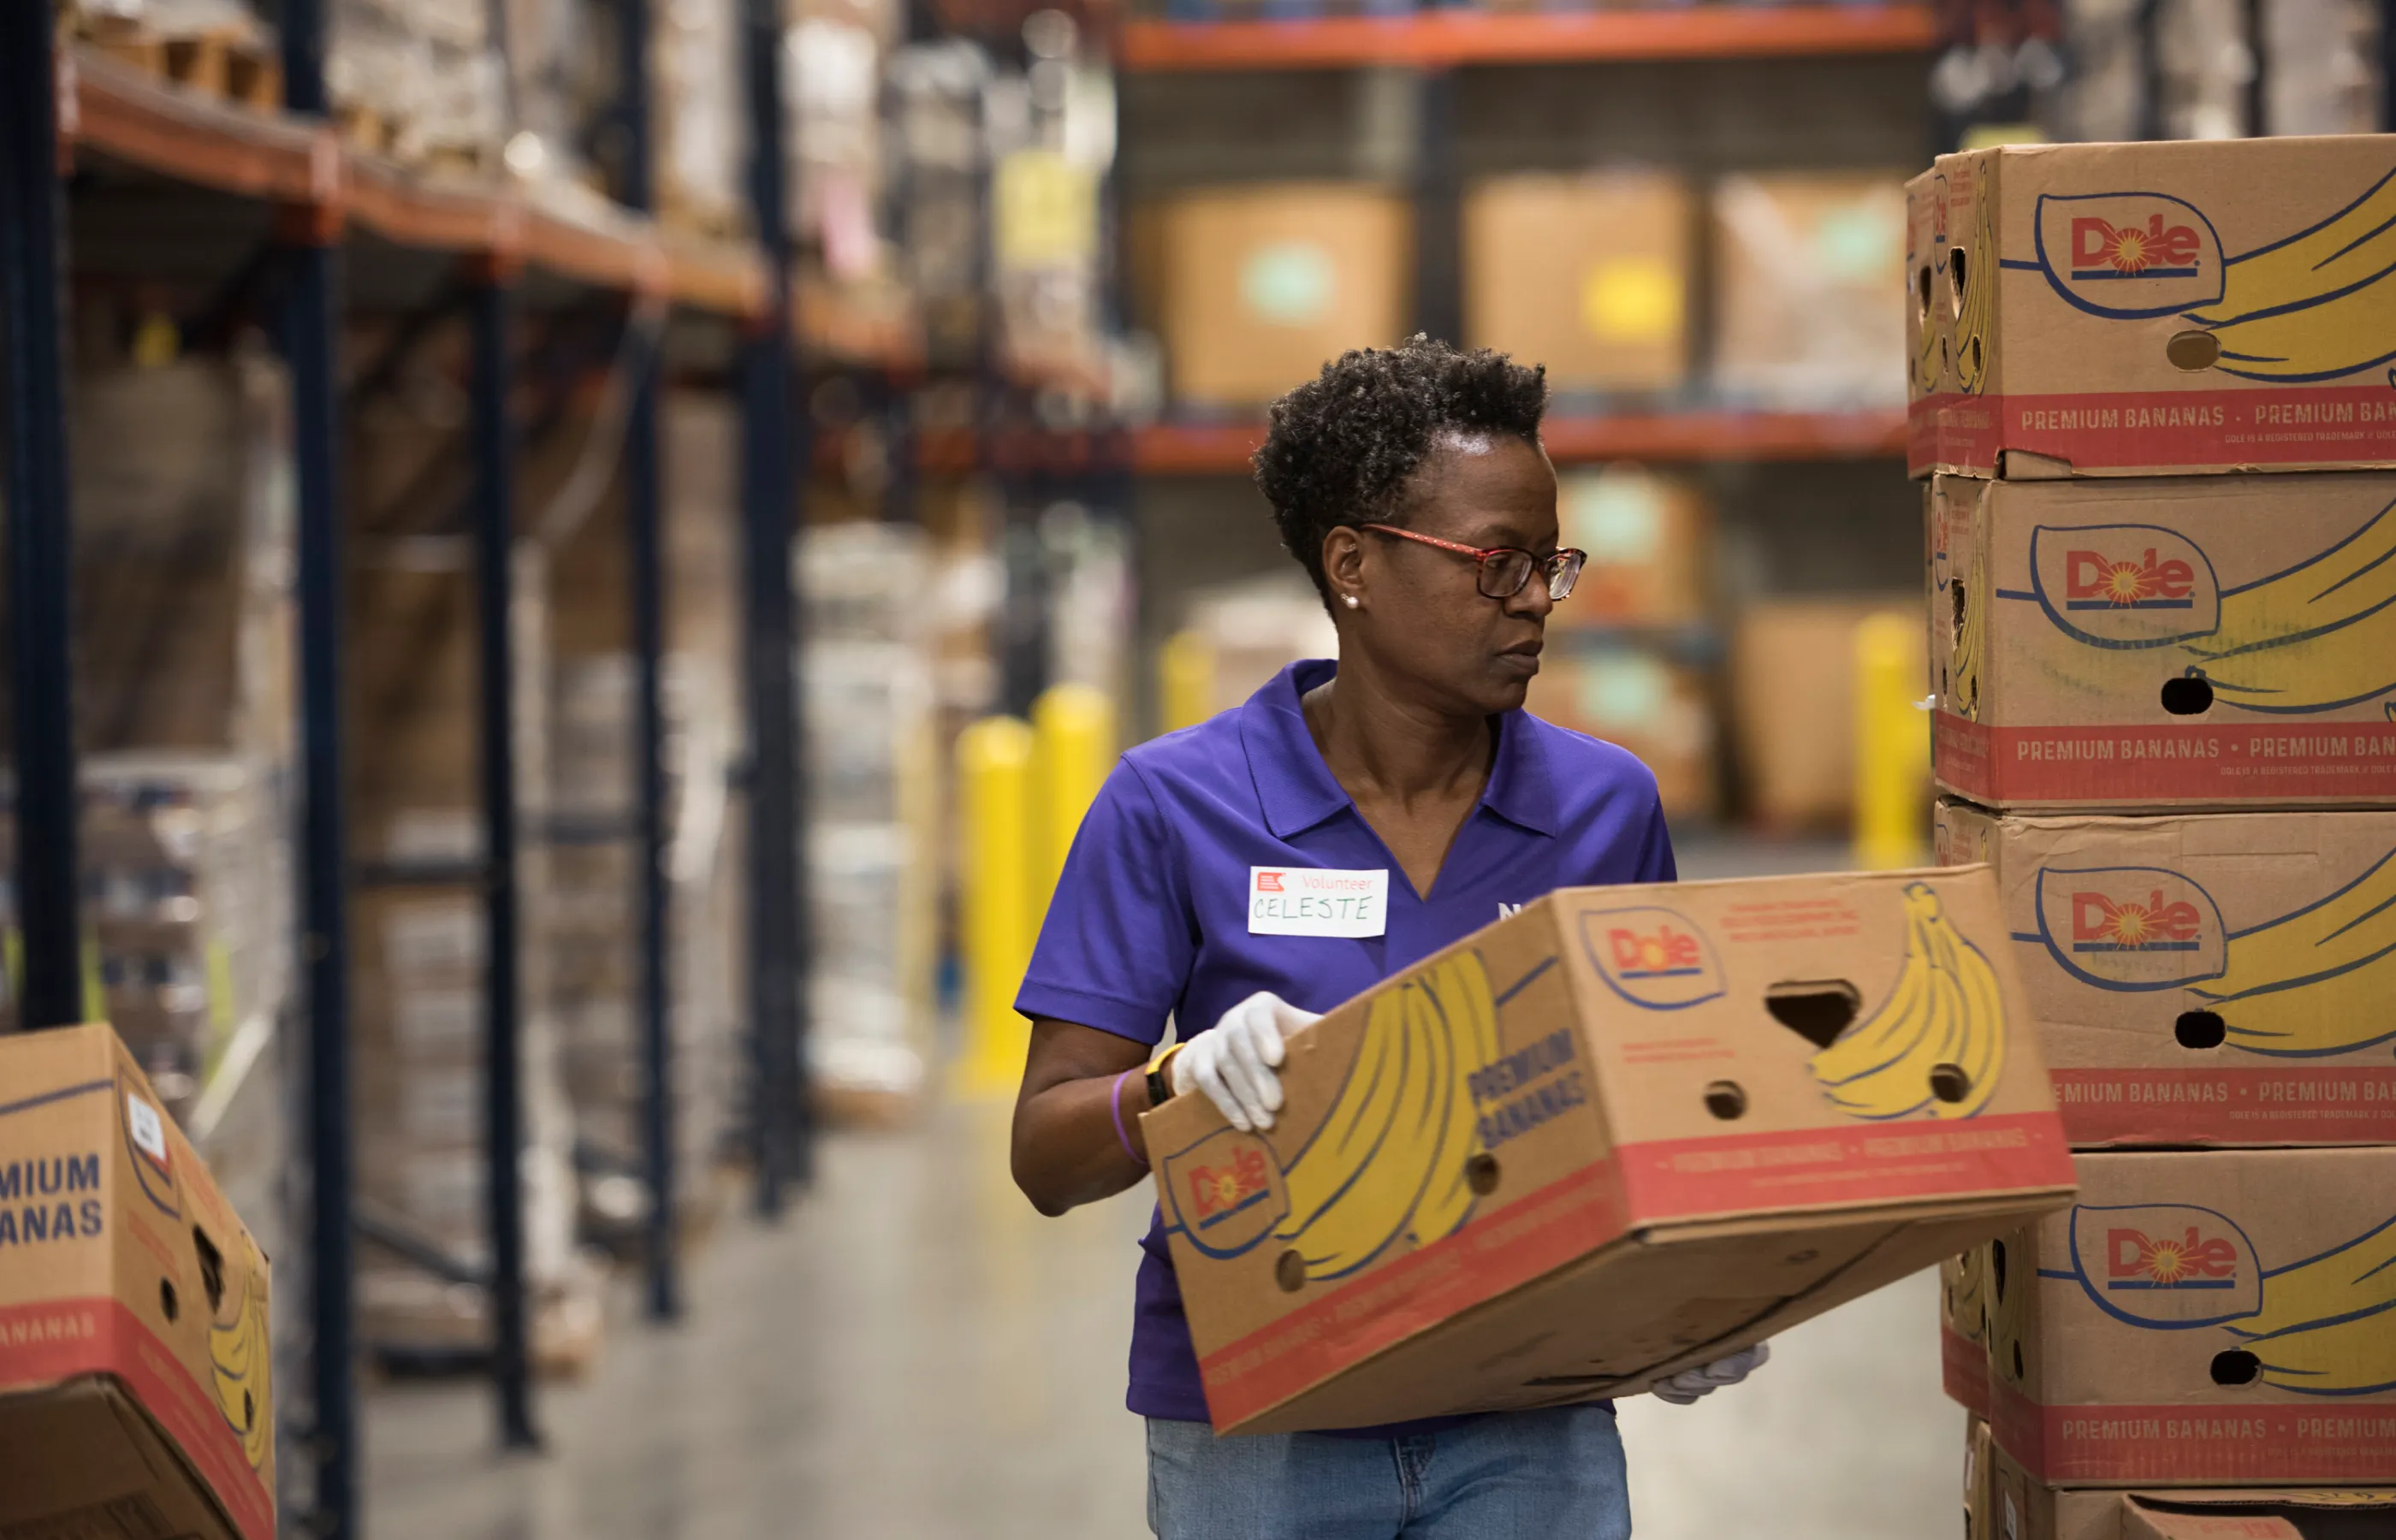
1115	1106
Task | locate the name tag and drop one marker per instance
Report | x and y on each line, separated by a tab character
1311	901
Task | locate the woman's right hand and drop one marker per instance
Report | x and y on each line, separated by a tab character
1233	1063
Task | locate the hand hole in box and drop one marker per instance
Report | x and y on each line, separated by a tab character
2189	695
1725	1100
2236	1366
2200	1030
211	1268
1481	1173
1997	1267
1922	293
1817	1010
2194	350
1957	274
169	1304
2019	1374
1948	1083
1289	1271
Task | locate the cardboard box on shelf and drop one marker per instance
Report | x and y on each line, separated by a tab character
1979	1486
135	1380
2122	309
2220	978
2019	1507
1964	1329
1647	538
1792	684
1263	285
2214	641
1587	273
1606	1161
1810	274
1642	701
2207	1317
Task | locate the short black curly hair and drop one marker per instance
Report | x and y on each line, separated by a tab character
1343	446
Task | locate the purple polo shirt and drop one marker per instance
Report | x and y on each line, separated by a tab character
1151	920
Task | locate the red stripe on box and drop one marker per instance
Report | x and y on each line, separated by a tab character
1964	1371
2254	760
1493	1253
2127	430
1859	1163
58	1340
2226	1444
2307	1103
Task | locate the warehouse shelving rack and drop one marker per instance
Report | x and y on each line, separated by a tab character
290	208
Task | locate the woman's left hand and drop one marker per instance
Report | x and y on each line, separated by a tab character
1684	1388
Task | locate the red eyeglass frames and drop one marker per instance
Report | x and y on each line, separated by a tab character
1503	570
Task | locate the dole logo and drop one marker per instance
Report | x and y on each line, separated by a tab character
2125	585
2131	928
2128	254
2189	1260
1226	1192
2165	1265
1652	957
2095	580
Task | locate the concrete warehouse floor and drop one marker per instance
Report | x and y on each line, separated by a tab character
915	1353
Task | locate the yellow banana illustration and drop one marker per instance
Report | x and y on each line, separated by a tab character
1936	1043
1390	1160
2318	635
241	1355
1976	301
2316	305
2317	981
2328	1324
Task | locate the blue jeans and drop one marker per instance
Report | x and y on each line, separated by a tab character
1552	1475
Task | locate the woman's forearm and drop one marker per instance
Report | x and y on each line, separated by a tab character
1077	1120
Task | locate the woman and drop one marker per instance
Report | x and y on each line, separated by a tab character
1411	485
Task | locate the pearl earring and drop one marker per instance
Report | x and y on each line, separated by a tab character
1350	598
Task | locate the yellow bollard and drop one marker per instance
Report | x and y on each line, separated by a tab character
1185	669
1073	727
995	780
1892	745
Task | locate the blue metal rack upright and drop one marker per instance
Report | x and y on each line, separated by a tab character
41	622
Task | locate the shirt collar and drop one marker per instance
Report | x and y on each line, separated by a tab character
1297	789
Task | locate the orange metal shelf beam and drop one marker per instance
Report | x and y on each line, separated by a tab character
1438	39
1185	450
122	113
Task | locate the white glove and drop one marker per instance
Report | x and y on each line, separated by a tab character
1684	1388
1234	1062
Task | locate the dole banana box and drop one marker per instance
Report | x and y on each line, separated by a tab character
1964	1329
2019	1507
2203	1318
2124	309
2221	979
2217	642
134	1394
1624	1132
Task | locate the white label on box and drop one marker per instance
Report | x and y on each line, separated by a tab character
149	1130
1317	901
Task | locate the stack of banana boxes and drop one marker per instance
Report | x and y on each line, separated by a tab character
2154	404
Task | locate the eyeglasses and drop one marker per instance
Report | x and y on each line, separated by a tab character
1505	569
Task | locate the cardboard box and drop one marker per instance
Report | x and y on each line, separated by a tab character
135	1393
1263	285
1624	1132
1809	272
1963	1330
2224	642
2215	1318
1979	1455
2219	979
1639	699
1587	274
2121	309
2019	1508
1648	541
1792	683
